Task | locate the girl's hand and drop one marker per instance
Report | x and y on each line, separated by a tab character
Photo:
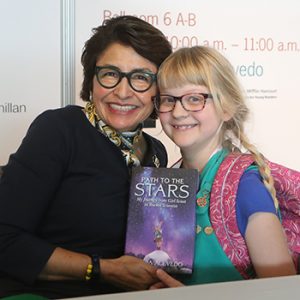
165	281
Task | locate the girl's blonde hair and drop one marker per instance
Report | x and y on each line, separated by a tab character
206	66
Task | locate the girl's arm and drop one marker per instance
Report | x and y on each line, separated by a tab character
267	246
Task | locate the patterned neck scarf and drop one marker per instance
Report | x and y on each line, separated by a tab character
125	140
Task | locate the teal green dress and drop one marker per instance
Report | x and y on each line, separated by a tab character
210	261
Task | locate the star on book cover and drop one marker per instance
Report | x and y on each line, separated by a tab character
161	217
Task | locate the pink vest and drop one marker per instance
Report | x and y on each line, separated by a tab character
223	209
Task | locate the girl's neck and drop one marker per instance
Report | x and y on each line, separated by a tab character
198	160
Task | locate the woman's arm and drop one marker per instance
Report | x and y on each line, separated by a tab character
126	272
267	246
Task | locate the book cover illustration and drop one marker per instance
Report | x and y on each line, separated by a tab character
161	217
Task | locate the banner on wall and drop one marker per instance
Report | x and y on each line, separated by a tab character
30	66
264	51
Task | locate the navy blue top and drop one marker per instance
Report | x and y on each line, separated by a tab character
66	186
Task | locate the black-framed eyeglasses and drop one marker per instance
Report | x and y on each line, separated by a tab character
110	76
190	102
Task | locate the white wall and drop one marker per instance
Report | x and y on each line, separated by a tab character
260	37
30	66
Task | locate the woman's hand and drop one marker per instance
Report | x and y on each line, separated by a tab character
165	281
128	272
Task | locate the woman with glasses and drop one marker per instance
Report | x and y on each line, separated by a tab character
64	193
202	109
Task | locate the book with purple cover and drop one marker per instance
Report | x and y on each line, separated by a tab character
161	217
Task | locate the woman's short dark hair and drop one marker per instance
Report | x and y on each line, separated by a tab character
145	39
